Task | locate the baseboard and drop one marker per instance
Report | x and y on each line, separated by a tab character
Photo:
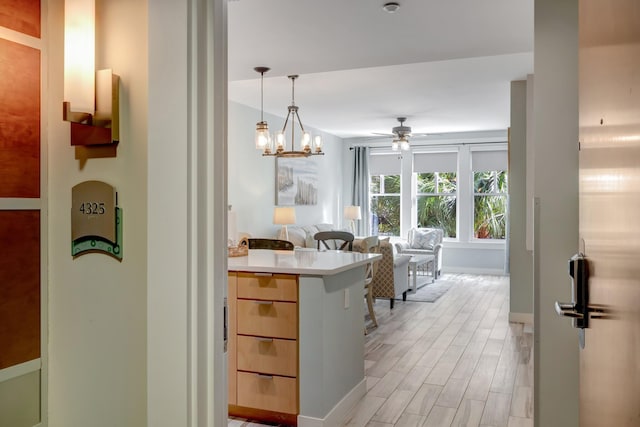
526	318
337	416
467	270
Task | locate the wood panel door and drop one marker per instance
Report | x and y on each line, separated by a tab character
609	78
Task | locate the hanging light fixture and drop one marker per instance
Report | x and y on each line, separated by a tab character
263	138
402	133
401	142
306	142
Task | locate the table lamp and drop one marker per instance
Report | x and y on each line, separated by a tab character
352	213
283	216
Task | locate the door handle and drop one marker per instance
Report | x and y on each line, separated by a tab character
578	308
567	309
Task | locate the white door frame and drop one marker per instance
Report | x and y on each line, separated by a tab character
186	364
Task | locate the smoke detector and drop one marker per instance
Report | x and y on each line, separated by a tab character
391	7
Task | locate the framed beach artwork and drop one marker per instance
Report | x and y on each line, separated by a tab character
296	181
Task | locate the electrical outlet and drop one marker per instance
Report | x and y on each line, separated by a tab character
346	298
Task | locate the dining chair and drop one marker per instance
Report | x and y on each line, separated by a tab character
370	245
342	240
274	244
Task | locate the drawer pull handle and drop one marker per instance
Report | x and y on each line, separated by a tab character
265	377
263	274
264	302
261	339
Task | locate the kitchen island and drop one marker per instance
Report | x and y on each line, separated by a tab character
296	335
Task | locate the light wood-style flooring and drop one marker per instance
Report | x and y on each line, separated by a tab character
455	362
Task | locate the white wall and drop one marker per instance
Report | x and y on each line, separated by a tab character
97	305
252	178
556	186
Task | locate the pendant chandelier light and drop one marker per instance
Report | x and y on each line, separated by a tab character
265	142
262	128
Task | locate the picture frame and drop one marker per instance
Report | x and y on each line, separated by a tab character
296	181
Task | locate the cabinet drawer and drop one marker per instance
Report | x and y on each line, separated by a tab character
277	287
267	355
271	393
267	318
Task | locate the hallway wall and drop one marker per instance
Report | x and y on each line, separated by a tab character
97	305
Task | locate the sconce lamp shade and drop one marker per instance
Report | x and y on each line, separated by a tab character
91	98
79	54
352	212
283	216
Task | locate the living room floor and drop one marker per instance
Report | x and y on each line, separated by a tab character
457	361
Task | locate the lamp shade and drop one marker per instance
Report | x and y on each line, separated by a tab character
79	55
352	212
284	215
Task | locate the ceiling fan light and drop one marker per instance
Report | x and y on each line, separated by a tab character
391	7
404	144
394	145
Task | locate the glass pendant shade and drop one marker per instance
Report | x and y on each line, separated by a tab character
394	145
317	142
262	135
404	144
305	142
280	141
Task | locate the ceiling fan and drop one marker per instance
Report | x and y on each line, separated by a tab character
400	135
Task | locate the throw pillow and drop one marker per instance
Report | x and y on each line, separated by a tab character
310	231
423	239
297	237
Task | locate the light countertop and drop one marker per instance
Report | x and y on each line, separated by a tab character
300	261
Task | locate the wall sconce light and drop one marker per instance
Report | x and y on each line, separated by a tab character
94	95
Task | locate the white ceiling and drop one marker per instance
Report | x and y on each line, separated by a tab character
444	64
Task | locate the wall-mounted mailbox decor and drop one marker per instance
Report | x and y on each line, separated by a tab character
96	220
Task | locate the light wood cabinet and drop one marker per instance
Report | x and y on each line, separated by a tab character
263	343
269	392
231	337
273	287
268	355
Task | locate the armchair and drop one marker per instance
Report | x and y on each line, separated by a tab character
391	279
424	241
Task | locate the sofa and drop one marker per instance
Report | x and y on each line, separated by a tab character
302	235
392	275
424	241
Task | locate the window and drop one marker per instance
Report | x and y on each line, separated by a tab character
385	205
384	191
459	188
436	200
489	194
436	190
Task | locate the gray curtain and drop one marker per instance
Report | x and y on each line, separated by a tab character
360	188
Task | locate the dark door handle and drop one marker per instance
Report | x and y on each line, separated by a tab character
567	309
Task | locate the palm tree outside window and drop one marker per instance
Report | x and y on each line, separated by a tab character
385	205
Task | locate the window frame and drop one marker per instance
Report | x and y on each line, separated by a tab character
416	196
383	193
504	194
465	191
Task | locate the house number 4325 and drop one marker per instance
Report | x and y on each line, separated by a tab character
92	208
